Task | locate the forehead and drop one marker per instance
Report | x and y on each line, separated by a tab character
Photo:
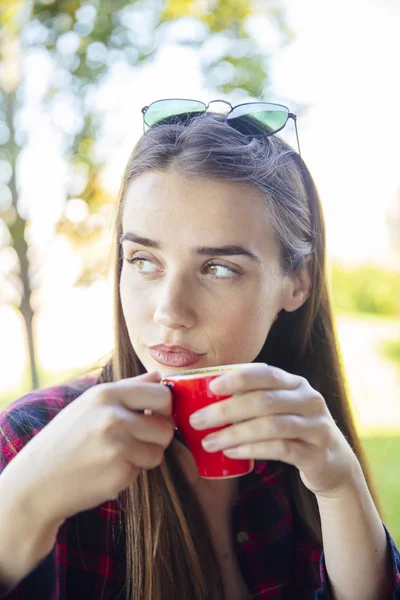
167	205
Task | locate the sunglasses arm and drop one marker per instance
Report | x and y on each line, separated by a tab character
294	117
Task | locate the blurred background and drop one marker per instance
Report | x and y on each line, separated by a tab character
74	75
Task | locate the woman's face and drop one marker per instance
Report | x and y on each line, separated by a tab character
186	291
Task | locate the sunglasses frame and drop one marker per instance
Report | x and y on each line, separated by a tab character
290	115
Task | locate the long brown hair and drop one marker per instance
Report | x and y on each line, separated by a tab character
168	549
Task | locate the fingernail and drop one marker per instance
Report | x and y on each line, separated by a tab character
197	419
209	444
232	452
219	384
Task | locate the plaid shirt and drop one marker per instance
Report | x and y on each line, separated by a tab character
276	555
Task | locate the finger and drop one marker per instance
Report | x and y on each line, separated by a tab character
293	452
259	403
252	378
265	428
141	395
156	429
124	424
149	376
154	376
144	455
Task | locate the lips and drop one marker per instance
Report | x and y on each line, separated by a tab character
174	356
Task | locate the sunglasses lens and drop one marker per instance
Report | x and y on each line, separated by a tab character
172	111
258	118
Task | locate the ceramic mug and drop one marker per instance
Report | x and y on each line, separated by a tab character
191	392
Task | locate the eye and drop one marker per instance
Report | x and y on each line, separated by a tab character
138	259
215	264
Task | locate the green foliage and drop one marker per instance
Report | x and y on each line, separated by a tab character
232	72
391	350
10	14
112	30
366	289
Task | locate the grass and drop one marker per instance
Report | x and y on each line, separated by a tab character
383	456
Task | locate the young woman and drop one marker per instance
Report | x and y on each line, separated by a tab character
219	250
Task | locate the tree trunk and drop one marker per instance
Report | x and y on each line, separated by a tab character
17	231
27	313
26	309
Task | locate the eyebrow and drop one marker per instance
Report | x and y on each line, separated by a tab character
230	250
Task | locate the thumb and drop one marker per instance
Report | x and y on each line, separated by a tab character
151	376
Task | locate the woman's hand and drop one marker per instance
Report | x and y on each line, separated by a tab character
274	415
92	449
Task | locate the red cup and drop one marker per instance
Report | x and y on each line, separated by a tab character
191	392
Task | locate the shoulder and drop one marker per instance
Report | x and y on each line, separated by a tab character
26	416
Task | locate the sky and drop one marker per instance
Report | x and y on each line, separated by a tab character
342	67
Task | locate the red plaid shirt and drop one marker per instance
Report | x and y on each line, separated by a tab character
277	556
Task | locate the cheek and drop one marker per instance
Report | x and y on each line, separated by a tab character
253	320
255	316
246	323
133	304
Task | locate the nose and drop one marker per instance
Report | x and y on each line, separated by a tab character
176	305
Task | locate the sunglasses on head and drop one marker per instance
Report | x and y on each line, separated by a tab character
254	119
